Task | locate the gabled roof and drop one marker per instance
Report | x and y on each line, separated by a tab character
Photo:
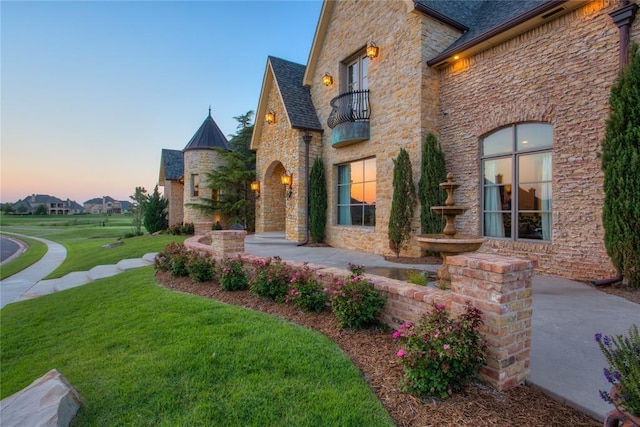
296	98
35	200
171	165
208	136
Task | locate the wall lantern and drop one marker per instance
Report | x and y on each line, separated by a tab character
327	79
373	50
287	181
270	117
255	187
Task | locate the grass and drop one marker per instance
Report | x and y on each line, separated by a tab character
140	354
35	250
83	236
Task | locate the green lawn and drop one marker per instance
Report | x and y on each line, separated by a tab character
35	250
140	354
83	236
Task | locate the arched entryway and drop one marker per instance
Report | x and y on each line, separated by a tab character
272	215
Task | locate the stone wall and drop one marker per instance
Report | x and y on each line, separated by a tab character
559	73
173	192
397	83
199	161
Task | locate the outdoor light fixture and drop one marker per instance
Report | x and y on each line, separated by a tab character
287	181
270	117
327	79
255	187
372	50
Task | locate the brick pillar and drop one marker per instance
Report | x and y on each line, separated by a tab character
501	287
202	228
227	243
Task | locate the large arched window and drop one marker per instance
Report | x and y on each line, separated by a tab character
517	182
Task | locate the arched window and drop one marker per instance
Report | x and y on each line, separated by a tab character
517	182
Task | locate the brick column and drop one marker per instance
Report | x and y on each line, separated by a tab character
202	228
227	243
500	287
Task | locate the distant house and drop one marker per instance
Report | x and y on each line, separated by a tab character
54	206
106	205
516	92
183	175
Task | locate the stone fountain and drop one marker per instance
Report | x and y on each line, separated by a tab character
449	242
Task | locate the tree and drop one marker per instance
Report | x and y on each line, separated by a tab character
22	209
7	209
317	201
232	180
137	209
433	173
621	166
41	210
403	202
155	212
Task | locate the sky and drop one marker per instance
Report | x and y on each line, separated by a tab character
92	91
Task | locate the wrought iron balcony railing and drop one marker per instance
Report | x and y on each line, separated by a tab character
349	107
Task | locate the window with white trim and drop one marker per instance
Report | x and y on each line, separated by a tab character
357	193
517	182
195	185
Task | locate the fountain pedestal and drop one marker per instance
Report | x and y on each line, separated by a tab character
449	242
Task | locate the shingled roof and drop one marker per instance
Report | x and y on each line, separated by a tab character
479	19
208	136
295	96
171	165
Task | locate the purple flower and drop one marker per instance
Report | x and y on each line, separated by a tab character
606	396
598	337
396	335
440	306
606	340
400	353
446	346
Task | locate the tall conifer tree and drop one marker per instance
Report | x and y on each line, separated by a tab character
433	173
317	201
403	203
621	166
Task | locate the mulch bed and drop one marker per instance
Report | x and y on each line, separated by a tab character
374	353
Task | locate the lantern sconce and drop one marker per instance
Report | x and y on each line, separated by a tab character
255	187
287	181
270	117
372	50
327	79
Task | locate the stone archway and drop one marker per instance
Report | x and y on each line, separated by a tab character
273	215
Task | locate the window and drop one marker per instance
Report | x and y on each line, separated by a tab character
195	185
517	172
357	193
357	83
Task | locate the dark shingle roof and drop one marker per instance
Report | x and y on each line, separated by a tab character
172	164
208	135
479	16
296	97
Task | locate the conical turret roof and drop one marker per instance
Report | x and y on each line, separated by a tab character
208	136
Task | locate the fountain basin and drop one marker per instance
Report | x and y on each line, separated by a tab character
450	245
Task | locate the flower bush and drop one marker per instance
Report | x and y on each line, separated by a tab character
162	261
623	355
439	355
271	279
201	268
306	293
355	302
233	276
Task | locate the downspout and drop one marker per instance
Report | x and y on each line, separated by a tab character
307	139
623	17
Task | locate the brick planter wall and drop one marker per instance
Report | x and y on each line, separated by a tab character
499	286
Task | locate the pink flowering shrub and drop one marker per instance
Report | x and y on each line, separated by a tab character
440	355
271	280
201	268
305	292
233	276
164	259
355	302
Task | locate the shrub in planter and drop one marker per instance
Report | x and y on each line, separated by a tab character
440	355
271	279
233	277
306	293
355	302
623	355
172	258
201	268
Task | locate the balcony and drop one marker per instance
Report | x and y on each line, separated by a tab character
349	118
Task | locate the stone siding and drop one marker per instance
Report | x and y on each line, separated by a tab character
173	192
559	73
398	83
199	161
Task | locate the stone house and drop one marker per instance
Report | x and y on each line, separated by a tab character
106	205
183	176
516	92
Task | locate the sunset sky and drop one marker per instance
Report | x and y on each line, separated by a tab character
92	91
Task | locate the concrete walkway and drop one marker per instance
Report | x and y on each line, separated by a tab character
565	359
